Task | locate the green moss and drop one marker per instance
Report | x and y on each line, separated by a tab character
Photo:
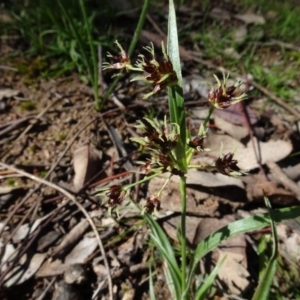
27	106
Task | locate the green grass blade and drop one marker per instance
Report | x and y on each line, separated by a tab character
238	227
139	27
263	289
175	94
133	43
94	61
72	27
173	47
201	293
151	286
172	270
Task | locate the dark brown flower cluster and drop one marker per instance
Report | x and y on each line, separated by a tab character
152	204
159	72
222	96
197	142
115	195
160	141
226	165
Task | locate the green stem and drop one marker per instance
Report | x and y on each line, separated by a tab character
183	235
211	109
139	27
145	179
93	70
206	167
133	43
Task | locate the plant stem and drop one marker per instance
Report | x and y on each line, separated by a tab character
133	43
183	234
93	69
139	27
211	109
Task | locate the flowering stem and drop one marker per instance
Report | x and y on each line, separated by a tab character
133	43
164	185
145	179
211	109
183	233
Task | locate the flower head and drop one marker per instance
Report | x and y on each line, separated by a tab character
120	62
222	96
157	136
160	72
197	142
115	195
226	165
152	204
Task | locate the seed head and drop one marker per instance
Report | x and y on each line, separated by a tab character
226	165
115	195
152	204
160	72
222	96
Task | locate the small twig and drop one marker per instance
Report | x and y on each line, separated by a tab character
47	175
44	293
13	124
73	199
283	178
276	99
8	68
155	26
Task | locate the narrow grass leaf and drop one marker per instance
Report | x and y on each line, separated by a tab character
238	227
175	94
204	288
151	286
172	271
263	289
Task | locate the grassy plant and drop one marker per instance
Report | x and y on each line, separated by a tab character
63	34
171	147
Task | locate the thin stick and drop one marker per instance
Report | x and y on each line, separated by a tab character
83	210
47	175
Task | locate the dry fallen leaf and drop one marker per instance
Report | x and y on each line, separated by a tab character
8	93
171	227
81	251
236	131
251	18
72	237
86	162
232	272
51	268
270	150
240	34
20	275
212	180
